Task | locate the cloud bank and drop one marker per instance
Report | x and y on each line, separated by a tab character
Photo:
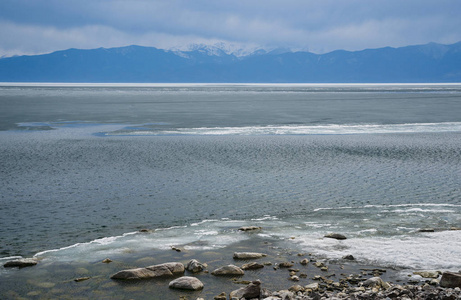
33	27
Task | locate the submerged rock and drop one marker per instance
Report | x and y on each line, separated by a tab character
222	296
162	270
248	255
21	263
285	264
253	290
186	283
304	262
336	236
252	266
81	279
228	270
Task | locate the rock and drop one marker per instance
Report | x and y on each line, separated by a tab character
313	286
319	264
21	263
253	290
285	264
228	270
81	279
375	282
107	261
304	261
249	228
349	257
450	280
186	283
427	274
221	296
162	270
195	266
284	294
248	255
296	288
335	236
252	266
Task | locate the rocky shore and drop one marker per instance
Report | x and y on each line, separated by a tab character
236	273
352	286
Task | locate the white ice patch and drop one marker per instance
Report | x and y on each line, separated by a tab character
304	129
205	235
424	251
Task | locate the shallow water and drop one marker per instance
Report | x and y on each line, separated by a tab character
92	165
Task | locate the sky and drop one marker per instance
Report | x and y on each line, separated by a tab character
320	26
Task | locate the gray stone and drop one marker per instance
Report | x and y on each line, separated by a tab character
284	294
21	263
248	255
186	283
195	266
336	236
285	264
296	288
222	296
313	286
304	261
349	257
253	290
162	270
375	282
450	280
228	270
252	266
427	274
250	228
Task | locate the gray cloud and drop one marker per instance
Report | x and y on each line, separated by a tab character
318	26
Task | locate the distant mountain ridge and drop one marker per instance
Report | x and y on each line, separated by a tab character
203	64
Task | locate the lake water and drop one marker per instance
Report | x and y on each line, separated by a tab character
84	167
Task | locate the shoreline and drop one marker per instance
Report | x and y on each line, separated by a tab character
73	279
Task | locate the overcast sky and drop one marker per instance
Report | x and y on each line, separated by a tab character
42	26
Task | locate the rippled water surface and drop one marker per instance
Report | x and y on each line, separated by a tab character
377	163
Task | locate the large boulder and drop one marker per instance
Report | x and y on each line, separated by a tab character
186	283
228	270
450	280
248	255
163	270
253	290
21	263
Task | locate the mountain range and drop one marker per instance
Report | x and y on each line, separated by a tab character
132	64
